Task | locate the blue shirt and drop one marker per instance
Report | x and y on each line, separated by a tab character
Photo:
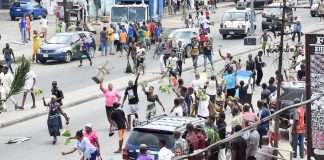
158	31
230	80
297	27
23	23
130	32
263	114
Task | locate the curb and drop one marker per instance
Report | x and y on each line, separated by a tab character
100	95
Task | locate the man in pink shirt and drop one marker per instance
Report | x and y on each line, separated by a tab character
248	116
111	96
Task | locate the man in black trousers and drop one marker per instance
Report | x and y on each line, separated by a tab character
258	66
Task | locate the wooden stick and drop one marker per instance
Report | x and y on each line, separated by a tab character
278	149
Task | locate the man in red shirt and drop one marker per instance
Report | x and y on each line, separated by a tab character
192	139
298	130
153	26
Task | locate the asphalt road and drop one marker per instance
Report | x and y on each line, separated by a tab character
71	78
40	147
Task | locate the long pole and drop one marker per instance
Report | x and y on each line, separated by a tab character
66	18
252	18
278	103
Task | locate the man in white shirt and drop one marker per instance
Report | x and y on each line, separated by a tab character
173	61
299	60
6	84
44	24
203	106
29	87
164	153
201	18
198	83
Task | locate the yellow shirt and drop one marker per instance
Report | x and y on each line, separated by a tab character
36	43
147	34
195	49
111	34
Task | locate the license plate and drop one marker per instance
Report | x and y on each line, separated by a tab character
45	55
18	9
231	32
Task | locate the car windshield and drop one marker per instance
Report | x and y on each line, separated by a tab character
182	35
272	11
151	139
233	16
59	39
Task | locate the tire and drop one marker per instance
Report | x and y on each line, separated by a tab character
263	27
31	17
255	27
188	51
92	52
313	15
68	57
13	18
224	36
43	61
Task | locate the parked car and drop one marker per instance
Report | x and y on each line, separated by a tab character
269	14
149	132
289	92
185	36
314	10
59	47
32	9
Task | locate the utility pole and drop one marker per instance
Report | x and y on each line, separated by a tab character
278	103
66	19
252	18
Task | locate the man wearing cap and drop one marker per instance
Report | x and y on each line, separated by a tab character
298	130
253	140
143	155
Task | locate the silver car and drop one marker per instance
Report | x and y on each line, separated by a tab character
185	36
314	10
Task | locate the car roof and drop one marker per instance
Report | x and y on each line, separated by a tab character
168	123
275	4
186	30
72	33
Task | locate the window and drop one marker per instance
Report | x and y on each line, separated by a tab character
151	139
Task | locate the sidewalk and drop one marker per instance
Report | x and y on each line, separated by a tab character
90	93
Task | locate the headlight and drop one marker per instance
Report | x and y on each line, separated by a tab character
65	49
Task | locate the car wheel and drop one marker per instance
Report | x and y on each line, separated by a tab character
188	51
68	57
43	61
92	52
13	18
313	15
224	36
31	17
263	27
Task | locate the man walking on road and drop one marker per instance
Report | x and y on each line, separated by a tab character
258	66
181	57
104	41
23	28
131	93
118	116
58	93
111	39
298	130
7	52
29	87
7	81
264	44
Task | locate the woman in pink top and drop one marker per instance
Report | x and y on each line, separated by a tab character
111	96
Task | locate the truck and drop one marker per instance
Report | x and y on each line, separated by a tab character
136	10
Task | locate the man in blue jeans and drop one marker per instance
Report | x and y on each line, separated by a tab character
104	41
298	130
9	56
23	28
208	47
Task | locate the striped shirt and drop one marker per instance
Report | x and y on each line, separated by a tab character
180	53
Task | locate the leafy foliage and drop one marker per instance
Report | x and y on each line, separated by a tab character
20	77
212	135
38	91
165	88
